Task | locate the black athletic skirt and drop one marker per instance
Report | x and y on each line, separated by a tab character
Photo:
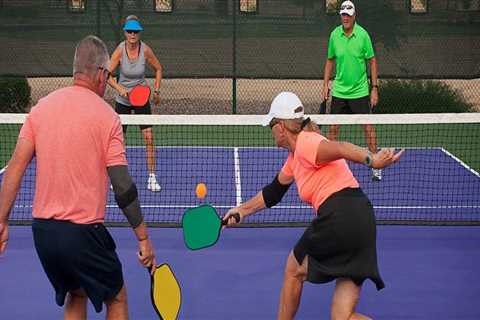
341	241
78	256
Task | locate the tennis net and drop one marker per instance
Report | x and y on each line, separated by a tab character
437	181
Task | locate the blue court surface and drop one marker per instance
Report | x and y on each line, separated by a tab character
426	184
430	273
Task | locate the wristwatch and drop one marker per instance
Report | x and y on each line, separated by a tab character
157	91
368	159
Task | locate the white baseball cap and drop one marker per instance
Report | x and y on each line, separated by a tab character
348	8
286	105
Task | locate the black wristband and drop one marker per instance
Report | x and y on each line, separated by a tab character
274	192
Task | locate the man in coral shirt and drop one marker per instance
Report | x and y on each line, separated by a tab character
340	243
77	140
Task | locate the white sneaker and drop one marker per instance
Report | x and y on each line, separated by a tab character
376	174
152	183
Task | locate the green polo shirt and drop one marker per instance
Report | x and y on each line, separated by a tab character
350	54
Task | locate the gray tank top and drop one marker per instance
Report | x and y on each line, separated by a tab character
132	72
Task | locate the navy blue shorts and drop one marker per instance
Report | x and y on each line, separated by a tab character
351	106
341	241
78	256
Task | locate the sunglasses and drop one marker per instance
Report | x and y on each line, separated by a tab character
109	74
132	31
348	7
273	123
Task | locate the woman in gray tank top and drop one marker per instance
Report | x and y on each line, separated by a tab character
132	55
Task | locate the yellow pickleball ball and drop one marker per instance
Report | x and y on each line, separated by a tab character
201	190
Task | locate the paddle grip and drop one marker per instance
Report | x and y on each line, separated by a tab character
235	215
149	269
323	107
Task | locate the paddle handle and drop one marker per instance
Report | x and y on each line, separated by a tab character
323	107
235	215
149	269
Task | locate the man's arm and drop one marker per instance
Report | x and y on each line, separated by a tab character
22	156
126	196
374	79
327	72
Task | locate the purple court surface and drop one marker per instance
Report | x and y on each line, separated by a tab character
426	184
430	273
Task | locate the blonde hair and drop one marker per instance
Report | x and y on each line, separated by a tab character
131	17
295	126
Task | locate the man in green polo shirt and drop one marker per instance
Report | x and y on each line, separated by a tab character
350	47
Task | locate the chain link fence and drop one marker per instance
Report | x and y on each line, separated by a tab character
233	56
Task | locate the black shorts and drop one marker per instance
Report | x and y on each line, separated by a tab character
350	106
123	109
78	256
341	241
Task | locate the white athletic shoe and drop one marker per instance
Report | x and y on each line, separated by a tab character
152	183
376	174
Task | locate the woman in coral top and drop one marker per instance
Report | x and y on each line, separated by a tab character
340	243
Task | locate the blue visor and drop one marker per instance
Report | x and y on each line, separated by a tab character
132	25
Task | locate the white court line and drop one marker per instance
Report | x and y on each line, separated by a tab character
263	147
181	147
238	184
308	207
3	169
397	207
173	206
463	164
170	206
429	207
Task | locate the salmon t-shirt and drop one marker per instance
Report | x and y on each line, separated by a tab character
76	135
315	183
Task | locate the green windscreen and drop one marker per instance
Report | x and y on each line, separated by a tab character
280	39
201	227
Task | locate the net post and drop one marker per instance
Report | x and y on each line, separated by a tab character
234	57
98	19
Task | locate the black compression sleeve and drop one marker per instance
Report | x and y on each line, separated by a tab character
126	194
124	199
274	192
133	214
